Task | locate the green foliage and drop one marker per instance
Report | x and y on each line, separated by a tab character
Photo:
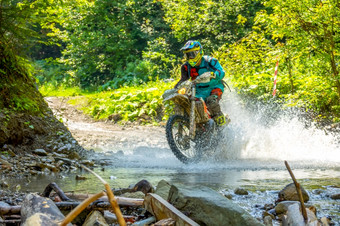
302	36
158	53
250	64
142	103
104	38
116	45
17	90
60	91
213	22
52	73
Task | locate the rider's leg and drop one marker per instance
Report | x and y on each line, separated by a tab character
215	108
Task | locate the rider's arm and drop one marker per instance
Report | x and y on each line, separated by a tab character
218	70
184	75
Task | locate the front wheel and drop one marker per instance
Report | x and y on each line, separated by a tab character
178	136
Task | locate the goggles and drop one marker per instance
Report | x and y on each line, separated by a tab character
191	55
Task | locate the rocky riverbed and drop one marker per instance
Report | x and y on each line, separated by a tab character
62	155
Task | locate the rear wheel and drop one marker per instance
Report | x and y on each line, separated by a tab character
177	134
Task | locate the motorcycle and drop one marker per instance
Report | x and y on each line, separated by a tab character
191	131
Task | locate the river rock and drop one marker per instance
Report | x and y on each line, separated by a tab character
79	177
162	189
325	221
289	193
282	207
214	209
110	218
86	162
143	186
4	184
73	155
4	204
241	191
37	210
294	216
95	218
40	152
267	213
268	221
335	196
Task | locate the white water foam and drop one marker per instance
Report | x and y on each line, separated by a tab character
285	138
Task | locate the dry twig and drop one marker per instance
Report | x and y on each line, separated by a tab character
298	189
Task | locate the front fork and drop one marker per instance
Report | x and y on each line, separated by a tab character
192	112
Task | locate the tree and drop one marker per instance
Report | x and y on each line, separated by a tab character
104	38
213	22
311	27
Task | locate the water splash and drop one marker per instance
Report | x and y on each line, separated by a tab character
264	134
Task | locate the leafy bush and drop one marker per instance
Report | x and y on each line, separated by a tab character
143	103
51	72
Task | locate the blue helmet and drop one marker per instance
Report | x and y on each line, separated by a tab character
193	52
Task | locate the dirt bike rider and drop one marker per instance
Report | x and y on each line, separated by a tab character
212	91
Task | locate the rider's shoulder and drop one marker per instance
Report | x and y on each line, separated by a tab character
208	58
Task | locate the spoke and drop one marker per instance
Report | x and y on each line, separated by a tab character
182	139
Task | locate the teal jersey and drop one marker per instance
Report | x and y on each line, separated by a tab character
208	64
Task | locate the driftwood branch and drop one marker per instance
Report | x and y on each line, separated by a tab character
5	222
103	204
298	189
53	186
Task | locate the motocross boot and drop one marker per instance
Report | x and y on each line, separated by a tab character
215	110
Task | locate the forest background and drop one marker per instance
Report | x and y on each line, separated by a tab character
119	56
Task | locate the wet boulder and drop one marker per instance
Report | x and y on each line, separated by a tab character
294	217
289	193
214	209
162	189
241	191
335	196
282	207
143	186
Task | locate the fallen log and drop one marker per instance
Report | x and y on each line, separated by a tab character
161	209
101	204
97	205
122	201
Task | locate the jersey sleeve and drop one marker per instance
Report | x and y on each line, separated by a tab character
218	69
